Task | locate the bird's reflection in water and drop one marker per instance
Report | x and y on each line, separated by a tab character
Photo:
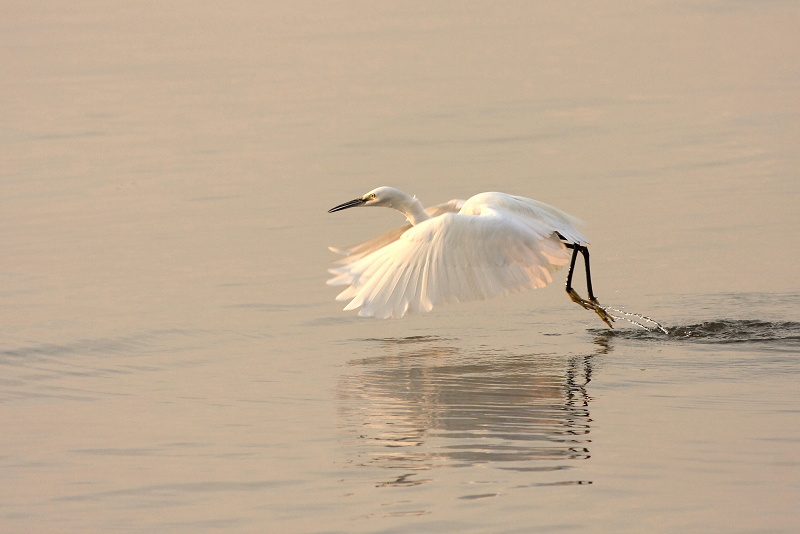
424	403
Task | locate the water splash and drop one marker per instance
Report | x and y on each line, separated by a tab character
626	316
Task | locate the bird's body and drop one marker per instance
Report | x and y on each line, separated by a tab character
488	245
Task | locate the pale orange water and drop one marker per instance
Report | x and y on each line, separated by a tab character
172	361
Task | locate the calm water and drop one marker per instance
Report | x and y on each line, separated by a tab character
172	361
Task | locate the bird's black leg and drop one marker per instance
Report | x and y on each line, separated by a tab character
585	252
592	303
571	264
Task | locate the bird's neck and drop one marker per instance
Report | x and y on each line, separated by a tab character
413	211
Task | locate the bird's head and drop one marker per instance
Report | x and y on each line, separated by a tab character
382	196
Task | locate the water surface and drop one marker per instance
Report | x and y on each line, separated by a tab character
172	361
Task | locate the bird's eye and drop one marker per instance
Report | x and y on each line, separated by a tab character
372	196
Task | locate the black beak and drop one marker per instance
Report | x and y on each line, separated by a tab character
349	204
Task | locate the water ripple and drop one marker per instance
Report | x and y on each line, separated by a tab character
721	331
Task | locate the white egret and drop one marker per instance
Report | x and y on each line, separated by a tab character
491	244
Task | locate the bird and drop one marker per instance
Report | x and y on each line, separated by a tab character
462	250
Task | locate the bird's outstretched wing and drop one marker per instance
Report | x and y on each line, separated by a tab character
354	253
451	258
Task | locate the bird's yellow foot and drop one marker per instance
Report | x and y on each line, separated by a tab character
591	305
